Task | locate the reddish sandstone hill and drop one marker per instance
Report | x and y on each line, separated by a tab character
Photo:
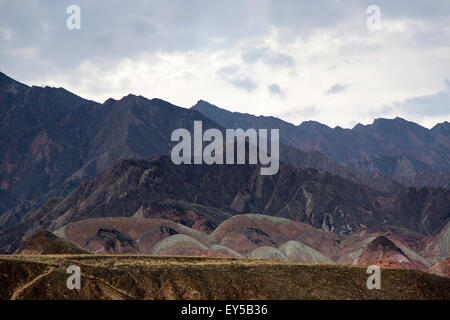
441	267
184	245
244	233
124	235
300	242
47	243
142	236
384	252
251	235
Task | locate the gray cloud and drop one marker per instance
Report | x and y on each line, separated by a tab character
233	76
244	82
384	111
116	29
227	71
275	89
269	57
338	87
433	105
437	104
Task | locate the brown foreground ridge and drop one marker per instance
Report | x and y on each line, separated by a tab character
166	277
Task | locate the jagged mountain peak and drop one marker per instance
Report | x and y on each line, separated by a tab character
397	121
133	98
5	80
204	102
139	100
109	101
443	127
212	111
163	103
315	125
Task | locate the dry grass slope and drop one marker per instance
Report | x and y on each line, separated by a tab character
157	277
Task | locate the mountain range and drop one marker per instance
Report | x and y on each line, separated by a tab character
402	150
66	159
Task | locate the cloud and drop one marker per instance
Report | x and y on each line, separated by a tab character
185	50
244	82
227	71
338	87
426	109
236	78
269	57
437	104
114	29
275	89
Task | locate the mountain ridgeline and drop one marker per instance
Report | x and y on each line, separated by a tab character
402	150
63	161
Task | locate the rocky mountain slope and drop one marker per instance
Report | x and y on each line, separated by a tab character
410	154
53	140
196	196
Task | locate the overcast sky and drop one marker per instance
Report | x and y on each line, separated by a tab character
297	60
